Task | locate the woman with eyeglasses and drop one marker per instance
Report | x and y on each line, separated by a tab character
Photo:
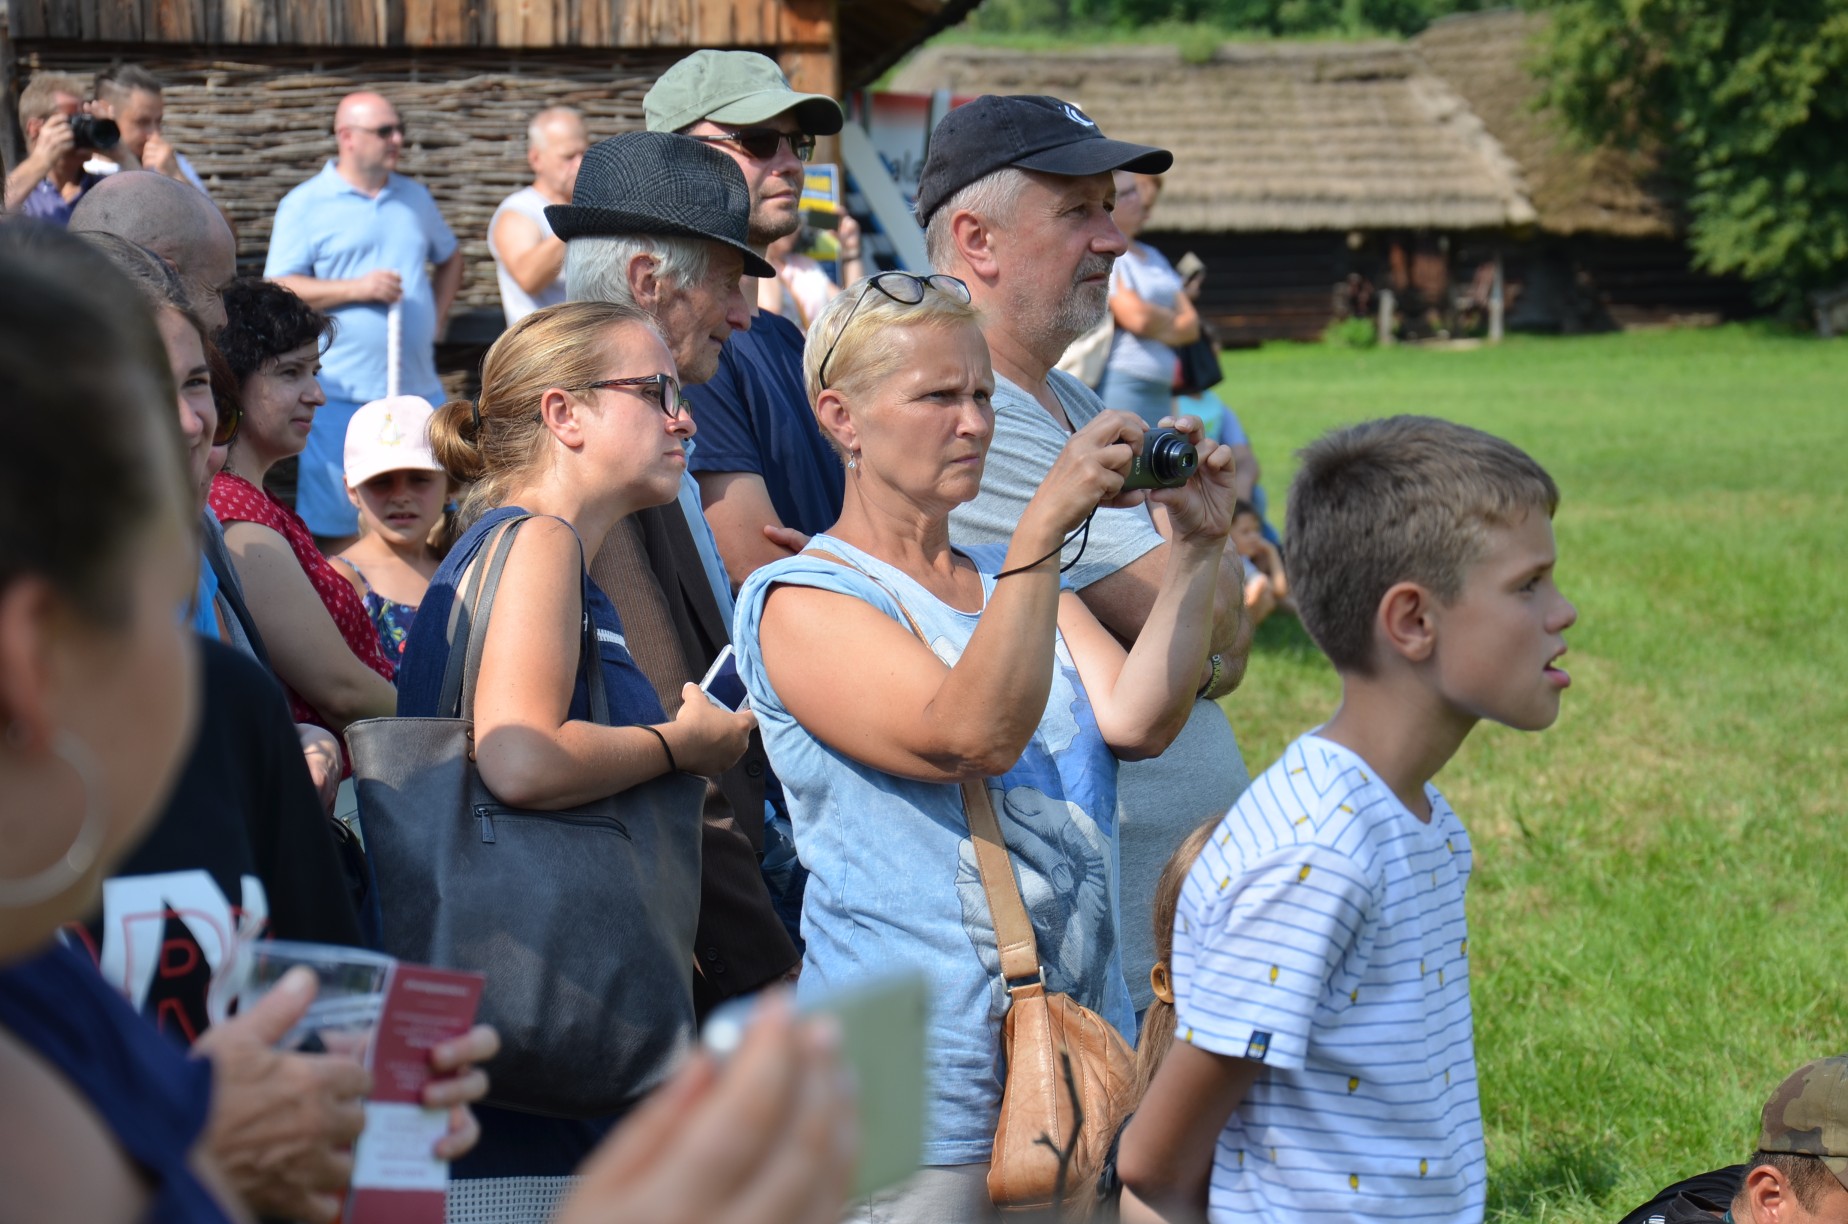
872	730
314	626
579	423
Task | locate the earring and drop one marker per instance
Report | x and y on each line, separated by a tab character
853	462
77	861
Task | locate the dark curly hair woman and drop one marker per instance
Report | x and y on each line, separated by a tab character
321	643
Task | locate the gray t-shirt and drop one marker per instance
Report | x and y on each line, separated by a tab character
1147	272
1159	802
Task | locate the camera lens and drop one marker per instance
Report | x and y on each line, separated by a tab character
1167	460
1172	458
90	132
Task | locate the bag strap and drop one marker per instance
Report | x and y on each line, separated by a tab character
468	631
463	612
1020	967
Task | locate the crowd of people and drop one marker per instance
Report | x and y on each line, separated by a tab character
921	543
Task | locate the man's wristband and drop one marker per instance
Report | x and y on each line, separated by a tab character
1218	664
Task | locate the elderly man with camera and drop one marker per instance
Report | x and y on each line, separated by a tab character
1016	197
50	179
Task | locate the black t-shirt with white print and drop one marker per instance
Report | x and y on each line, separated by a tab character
243	850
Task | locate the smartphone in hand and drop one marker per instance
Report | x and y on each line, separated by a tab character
723	686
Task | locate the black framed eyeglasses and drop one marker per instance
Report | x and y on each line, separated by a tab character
905	288
761	143
660	390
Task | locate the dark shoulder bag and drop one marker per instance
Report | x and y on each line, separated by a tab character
581	919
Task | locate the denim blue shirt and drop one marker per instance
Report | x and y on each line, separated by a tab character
331	230
893	881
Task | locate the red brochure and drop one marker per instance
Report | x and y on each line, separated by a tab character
396	1177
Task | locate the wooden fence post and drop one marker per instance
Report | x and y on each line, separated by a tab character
1495	301
12	140
1384	326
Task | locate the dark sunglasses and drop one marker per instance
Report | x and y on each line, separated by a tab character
230	417
905	288
761	143
660	390
383	133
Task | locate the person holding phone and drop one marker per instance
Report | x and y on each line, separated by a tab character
872	730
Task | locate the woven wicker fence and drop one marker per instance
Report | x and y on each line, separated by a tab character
256	126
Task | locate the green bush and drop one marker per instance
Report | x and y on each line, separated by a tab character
1351	333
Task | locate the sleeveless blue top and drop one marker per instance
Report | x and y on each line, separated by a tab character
426	648
893	880
152	1097
515	1144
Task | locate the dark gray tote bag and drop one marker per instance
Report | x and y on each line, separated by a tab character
582	920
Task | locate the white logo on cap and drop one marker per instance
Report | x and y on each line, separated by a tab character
1077	116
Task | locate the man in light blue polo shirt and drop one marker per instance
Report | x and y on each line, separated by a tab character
353	241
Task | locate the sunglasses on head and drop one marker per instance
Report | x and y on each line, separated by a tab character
905	288
761	143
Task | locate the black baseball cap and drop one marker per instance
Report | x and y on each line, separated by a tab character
1031	131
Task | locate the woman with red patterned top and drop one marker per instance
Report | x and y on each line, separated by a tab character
321	642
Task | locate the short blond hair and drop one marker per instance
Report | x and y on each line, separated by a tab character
1403	499
39	99
858	361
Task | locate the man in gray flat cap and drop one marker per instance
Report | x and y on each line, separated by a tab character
761	460
662	222
1015	197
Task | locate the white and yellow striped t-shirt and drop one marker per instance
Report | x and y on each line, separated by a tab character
1321	932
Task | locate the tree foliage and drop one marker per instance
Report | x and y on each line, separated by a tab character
1746	102
1272	17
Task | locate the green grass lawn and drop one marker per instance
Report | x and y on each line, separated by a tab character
1659	915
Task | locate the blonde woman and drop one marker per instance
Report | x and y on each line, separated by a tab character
872	731
579	422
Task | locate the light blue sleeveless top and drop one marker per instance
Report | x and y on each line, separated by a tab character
893	882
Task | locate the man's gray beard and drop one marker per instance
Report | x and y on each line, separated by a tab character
1078	312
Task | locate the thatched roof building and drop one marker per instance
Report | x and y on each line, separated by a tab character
1274	137
1487	58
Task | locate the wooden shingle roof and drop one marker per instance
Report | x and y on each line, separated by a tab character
1274	136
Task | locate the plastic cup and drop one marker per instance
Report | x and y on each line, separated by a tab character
346	1007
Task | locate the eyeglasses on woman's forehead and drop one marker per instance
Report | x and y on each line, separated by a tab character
660	390
905	288
761	143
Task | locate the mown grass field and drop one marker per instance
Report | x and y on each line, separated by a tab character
1659	916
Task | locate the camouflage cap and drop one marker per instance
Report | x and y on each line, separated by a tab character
1808	1115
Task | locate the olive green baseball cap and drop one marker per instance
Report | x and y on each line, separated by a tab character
734	87
1808	1115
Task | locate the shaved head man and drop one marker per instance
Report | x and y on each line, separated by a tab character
528	257
176	222
355	241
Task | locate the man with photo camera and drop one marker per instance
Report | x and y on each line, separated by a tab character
60	136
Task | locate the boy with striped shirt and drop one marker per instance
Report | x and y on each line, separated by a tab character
1324	1066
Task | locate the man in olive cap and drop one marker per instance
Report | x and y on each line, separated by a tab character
760	459
1798	1175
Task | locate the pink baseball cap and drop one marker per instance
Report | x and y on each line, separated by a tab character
389	435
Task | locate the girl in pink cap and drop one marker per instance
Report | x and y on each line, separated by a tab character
400	492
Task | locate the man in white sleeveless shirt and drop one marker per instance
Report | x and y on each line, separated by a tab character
528	258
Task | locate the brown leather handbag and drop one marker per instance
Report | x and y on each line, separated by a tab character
1070	1075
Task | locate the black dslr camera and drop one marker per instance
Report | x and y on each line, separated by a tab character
92	132
1167	461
